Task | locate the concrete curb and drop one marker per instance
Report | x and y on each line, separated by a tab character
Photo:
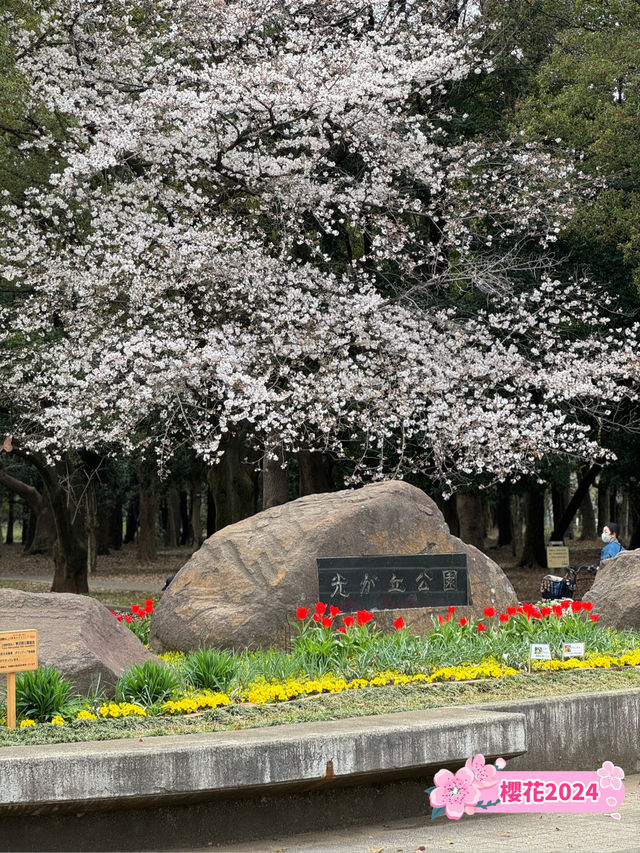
296	757
175	793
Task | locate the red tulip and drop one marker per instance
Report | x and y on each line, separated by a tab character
463	621
489	612
317	617
451	609
148	605
364	616
326	622
333	610
481	627
565	603
342	629
576	606
440	620
557	610
504	617
119	617
593	617
587	605
398	623
128	618
135	608
302	612
321	608
512	611
348	621
546	611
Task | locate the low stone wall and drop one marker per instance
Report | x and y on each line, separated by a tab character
173	793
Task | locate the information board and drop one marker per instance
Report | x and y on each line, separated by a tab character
557	557
18	651
394	583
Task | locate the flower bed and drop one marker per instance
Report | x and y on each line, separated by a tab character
335	653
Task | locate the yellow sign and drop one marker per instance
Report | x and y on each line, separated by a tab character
18	651
557	557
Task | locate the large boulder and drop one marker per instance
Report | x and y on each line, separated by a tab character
242	586
616	591
76	635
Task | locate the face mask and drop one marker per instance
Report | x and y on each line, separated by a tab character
606	538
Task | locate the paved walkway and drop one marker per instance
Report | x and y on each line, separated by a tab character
517	833
95	583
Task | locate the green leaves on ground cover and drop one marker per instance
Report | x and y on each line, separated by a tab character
147	685
41	694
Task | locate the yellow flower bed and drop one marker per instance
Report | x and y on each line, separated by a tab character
194	703
262	692
122	709
85	715
590	662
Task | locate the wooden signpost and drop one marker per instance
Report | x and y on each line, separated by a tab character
18	653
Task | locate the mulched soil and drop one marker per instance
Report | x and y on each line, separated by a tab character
119	566
123	567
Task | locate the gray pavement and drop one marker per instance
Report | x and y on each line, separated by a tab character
542	833
95	584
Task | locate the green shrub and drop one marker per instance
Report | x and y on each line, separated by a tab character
210	669
147	685
41	694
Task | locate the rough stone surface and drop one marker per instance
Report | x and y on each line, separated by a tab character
245	582
616	591
76	635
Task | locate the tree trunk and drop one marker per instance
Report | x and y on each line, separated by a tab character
186	534
92	528
634	518
517	524
613	504
503	515
447	507
275	481
232	484
315	472
172	536
603	504
196	503
131	523
587	514
69	551
115	526
10	520
470	507
534	552
147	520
211	512
584	484
40	540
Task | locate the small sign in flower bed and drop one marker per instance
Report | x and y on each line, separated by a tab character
335	653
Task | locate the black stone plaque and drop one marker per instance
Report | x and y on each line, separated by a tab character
392	583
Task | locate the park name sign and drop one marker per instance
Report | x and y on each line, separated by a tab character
18	653
394	583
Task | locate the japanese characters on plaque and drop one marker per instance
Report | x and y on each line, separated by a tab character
18	651
391	583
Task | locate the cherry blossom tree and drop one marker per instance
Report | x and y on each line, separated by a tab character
265	216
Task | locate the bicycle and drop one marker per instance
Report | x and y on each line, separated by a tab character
554	586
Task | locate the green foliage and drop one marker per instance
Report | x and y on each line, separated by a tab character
140	627
210	669
147	685
41	694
